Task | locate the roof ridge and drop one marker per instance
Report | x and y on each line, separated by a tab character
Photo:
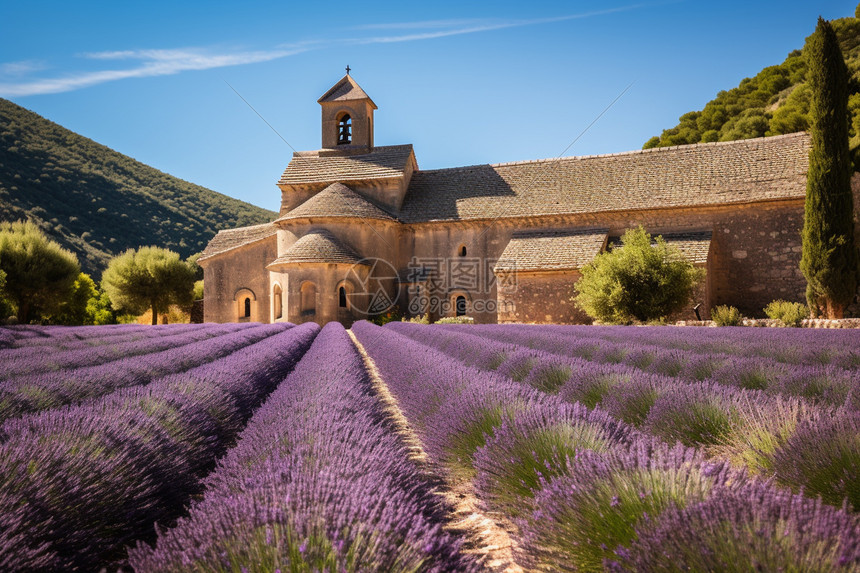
376	148
337	190
308	247
354	92
559	232
257	226
229	239
737	142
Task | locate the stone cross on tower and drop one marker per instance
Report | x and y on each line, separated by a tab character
347	69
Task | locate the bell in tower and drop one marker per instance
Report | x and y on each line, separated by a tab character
347	117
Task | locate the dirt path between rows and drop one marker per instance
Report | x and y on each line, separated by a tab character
485	538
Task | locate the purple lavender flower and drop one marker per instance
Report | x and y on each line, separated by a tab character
84	481
319	481
754	527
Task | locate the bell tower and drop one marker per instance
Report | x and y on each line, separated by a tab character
347	118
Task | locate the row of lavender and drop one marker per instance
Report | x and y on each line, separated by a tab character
27	335
36	359
830	384
584	489
68	338
318	481
792	346
799	443
49	388
81	482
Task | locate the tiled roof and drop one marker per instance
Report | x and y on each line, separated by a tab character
314	167
344	90
235	238
689	175
338	200
545	251
694	247
316	247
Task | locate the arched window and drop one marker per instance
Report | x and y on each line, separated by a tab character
341	297
344	130
462	251
461	305
277	302
247	308
309	298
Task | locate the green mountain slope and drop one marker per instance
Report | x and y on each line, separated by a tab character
97	202
774	102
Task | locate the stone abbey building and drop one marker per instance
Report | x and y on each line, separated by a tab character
362	228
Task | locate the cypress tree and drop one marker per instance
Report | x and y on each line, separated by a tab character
829	259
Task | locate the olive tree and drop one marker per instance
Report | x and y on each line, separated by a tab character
40	274
642	280
148	278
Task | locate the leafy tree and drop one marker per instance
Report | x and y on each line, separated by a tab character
100	310
793	115
752	122
39	273
829	260
198	290
73	310
640	281
5	307
198	270
148	278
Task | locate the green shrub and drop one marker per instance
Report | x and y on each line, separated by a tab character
393	314
726	316
422	319
642	280
456	320
789	313
198	290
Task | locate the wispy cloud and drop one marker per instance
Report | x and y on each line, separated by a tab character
421	24
21	68
149	63
457	27
162	62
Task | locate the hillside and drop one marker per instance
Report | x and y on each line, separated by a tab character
774	102
97	202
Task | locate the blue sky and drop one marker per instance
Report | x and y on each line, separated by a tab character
465	82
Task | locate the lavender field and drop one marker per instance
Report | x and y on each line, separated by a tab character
408	447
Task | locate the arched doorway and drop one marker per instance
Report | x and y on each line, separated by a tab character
460	306
245	305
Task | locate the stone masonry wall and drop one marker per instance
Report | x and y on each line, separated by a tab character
242	268
756	254
755	250
541	298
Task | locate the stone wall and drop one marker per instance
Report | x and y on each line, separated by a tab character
756	258
755	250
227	274
541	298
